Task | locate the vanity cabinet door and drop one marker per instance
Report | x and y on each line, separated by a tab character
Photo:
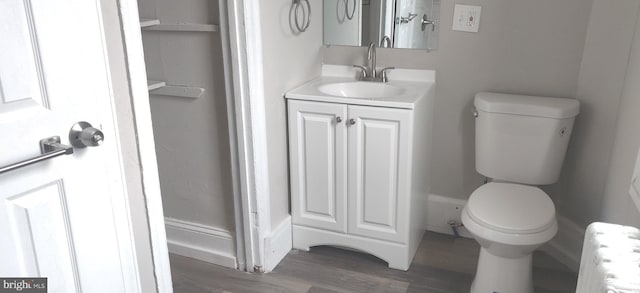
379	168
318	149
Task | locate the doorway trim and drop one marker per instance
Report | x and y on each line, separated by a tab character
251	132
240	33
141	109
239	238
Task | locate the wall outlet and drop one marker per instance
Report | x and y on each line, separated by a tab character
466	18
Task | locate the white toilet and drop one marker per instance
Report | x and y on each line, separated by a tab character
520	142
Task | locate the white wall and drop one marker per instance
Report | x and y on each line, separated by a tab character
192	139
616	206
523	46
289	60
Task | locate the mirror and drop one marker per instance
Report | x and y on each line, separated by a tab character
389	23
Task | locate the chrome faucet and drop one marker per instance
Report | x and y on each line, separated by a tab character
369	72
371	59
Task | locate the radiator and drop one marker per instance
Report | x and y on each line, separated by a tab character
610	260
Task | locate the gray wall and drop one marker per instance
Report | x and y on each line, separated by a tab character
192	141
523	46
289	60
617	206
567	48
600	83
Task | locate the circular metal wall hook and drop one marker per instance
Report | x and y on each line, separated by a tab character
346	8
297	5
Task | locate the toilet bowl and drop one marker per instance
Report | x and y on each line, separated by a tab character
509	221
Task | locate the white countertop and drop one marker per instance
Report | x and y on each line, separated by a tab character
417	84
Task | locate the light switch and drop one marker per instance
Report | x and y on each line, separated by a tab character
466	18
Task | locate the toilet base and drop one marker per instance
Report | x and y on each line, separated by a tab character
502	275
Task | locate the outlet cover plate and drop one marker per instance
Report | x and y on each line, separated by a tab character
466	18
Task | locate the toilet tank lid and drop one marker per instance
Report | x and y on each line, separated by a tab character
548	107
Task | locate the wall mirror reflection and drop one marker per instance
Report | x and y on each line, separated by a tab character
409	24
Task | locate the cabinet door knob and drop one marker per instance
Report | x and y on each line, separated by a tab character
338	119
352	121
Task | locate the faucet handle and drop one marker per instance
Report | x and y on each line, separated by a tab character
363	71
383	72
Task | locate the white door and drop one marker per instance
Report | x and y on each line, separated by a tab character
57	217
317	148
379	150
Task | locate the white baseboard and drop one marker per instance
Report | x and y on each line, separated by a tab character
277	244
440	210
201	242
566	247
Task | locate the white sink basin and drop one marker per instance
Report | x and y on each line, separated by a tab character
361	89
405	89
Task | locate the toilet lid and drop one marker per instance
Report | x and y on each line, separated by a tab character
511	208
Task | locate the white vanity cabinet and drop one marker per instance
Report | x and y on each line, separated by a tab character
352	169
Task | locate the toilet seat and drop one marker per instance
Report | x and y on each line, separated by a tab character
511	208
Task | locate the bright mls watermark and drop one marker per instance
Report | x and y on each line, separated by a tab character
23	285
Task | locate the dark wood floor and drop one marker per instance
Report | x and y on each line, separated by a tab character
442	264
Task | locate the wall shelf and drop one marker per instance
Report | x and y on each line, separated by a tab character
161	88
146	22
178	27
155	84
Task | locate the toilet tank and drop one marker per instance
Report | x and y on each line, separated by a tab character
522	139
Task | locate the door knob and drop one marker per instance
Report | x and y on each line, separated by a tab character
352	121
82	135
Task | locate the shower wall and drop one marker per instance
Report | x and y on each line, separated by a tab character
411	34
192	139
